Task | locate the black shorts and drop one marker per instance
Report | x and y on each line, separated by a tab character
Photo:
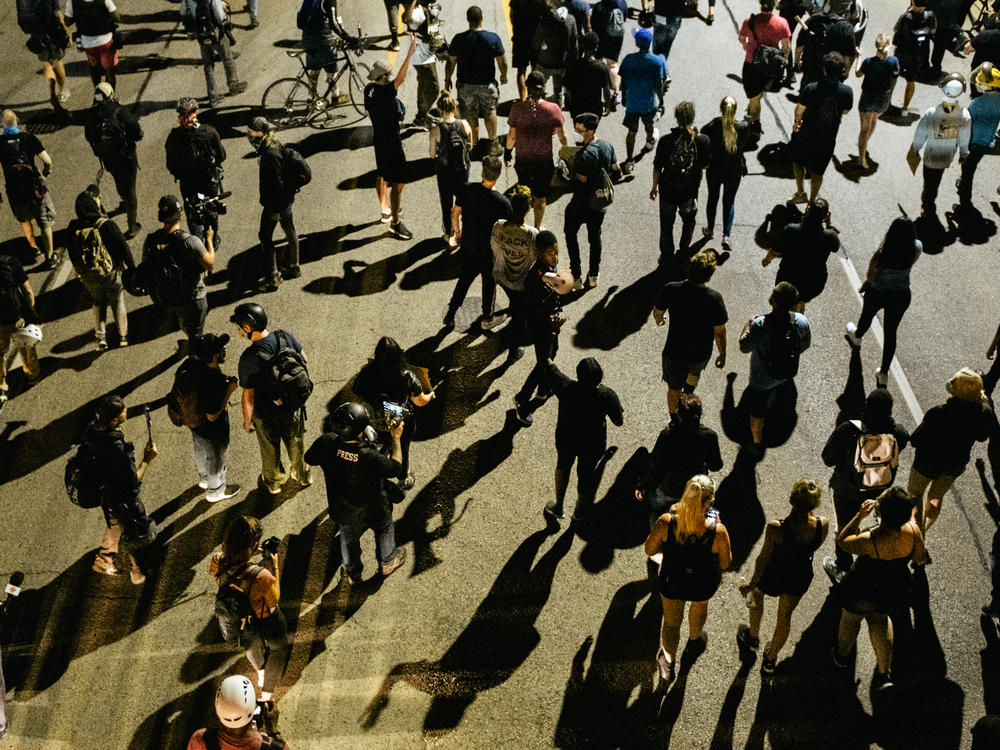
610	47
390	162
523	54
913	63
631	121
809	154
754	83
537	175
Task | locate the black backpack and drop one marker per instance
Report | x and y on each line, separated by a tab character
162	276
779	217
295	170
232	601
12	301
24	183
782	358
108	138
690	566
197	155
288	377
83	478
680	163
452	155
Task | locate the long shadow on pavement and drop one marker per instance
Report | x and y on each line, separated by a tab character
619	313
779	420
740	509
361	278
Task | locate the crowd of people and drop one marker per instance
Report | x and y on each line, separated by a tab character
567	57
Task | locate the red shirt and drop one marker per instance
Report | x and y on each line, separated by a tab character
251	741
771	32
535	122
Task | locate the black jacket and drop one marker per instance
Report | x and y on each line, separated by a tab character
180	143
116	458
274	196
129	123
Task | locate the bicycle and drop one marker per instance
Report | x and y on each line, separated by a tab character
292	102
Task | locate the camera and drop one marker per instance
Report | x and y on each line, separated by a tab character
395	413
270	546
212	204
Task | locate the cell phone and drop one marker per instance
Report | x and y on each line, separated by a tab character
394	409
149	423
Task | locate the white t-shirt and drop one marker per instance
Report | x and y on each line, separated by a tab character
422	55
513	252
89	42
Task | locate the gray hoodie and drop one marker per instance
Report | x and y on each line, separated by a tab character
939	133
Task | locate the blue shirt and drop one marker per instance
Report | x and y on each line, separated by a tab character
878	75
643	74
985	113
759	336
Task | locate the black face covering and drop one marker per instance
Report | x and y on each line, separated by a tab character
256	141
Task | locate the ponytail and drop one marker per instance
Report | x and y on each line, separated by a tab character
728	109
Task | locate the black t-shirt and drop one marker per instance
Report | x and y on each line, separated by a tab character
476	52
944	438
540	298
254	372
694	312
804	252
380	103
586	81
12	279
481	207
375	387
913	33
354	475
986	47
583	410
840	450
679	454
675	184
825	103
195	156
211	387
722	162
186	250
16	149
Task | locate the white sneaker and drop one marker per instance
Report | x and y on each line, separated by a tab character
64	94
881	378
578	284
491	322
852	336
591	281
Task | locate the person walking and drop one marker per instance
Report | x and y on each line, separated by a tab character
417	18
683	449
27	192
477	208
607	20
585	405
477	54
277	194
943	443
594	162
113	133
695	551
911	37
267	410
121	481
525	17
513	244
383	107
941	132
681	158
211	26
667	16
804	248
764	29
182	291
17	307
784	570
878	76
588	81
643	79
264	632
984	112
235	707
531	125
48	37
820	108
887	288
697	318
99	253
194	158
450	144
555	43
355	470
208	389
864	456
728	141
775	342
542	288
878	584
96	22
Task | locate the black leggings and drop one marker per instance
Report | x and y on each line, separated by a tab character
893	304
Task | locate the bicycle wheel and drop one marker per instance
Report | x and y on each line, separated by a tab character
356	86
287	102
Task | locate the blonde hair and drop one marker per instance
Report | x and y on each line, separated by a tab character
698	493
805	495
9	118
882	42
967	384
446	105
728	109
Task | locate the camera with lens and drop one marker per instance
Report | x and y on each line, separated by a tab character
210	204
269	546
395	413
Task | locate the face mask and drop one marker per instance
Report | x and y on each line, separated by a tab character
12	130
256	141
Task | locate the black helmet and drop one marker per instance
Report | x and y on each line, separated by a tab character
251	314
348	420
169	209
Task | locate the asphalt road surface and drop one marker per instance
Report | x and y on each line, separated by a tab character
499	632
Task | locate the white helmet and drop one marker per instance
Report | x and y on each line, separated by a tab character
27	336
235	702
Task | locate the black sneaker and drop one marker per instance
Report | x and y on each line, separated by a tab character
524	417
747	644
400	231
292	272
238	88
881	680
254	23
133	231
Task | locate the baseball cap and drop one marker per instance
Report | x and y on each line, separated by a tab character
207	345
380	69
643	38
169	208
260	125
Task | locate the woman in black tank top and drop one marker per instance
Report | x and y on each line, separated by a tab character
784	569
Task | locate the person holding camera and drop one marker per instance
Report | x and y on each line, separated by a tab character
236	709
355	470
194	158
121	482
264	633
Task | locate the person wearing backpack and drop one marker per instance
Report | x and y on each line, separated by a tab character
774	341
594	168
210	23
695	550
851	441
531	124
644	78
912	39
588	81
449	142
760	68
235	707
826	32
607	20
818	112
120	483
277	194
681	158
194	158
246	605
276	385
48	38
99	253
96	22
113	132
27	192
555	44
805	248
17	307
